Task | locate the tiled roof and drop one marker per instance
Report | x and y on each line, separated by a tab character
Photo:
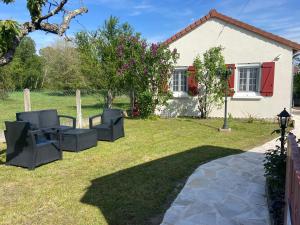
214	14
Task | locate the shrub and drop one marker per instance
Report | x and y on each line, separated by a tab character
3	94
275	167
250	119
146	104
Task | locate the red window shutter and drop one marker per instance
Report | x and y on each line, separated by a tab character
231	78
192	82
267	78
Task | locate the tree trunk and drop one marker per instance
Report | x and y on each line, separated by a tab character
44	77
109	99
132	97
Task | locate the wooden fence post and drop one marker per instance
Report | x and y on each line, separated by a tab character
78	109
27	104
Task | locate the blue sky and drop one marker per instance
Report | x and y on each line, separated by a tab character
158	20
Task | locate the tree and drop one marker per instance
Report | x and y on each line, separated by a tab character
211	88
25	71
62	67
99	48
12	32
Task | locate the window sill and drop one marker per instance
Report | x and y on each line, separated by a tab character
180	94
253	96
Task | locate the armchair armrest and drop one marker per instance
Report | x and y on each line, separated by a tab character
32	135
115	120
91	118
69	117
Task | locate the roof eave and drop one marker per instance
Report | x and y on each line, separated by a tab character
214	14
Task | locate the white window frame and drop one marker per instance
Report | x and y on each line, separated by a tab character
179	94
246	94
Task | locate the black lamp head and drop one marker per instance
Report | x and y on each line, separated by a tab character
283	118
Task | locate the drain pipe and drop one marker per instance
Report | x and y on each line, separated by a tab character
295	55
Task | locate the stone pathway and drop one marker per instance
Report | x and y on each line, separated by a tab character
226	191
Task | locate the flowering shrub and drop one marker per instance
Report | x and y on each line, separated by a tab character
146	69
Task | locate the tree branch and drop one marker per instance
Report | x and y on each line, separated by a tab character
54	11
8	56
53	28
67	19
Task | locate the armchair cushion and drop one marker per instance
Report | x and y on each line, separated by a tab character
49	118
109	114
32	117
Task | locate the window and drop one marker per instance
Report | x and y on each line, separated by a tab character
248	78
178	82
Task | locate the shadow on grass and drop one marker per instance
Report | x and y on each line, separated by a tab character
141	194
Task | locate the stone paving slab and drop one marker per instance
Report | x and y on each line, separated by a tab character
229	190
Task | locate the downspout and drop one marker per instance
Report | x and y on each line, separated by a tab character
295	54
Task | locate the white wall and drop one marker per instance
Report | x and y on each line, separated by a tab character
241	46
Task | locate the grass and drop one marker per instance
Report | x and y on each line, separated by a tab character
131	181
65	103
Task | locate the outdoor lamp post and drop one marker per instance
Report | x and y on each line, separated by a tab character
225	75
283	120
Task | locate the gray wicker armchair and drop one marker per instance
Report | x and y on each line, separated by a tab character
112	125
29	148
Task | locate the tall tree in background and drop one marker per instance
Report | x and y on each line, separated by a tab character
25	71
99	48
146	69
211	87
12	32
62	67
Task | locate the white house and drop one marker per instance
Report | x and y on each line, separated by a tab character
262	62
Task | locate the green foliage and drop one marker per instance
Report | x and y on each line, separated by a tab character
25	71
145	103
7	1
275	172
98	52
211	84
9	29
35	8
62	67
275	164
297	84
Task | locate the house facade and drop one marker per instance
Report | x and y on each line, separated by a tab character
261	61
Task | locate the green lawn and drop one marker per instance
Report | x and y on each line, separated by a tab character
65	103
131	181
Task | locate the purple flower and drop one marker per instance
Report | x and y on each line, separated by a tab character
120	50
144	44
132	62
154	48
145	71
120	72
125	66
